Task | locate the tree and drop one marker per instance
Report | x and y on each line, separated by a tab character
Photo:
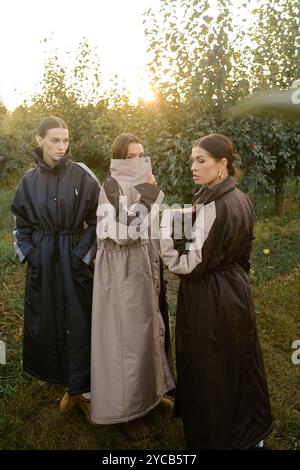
196	60
203	61
276	64
78	100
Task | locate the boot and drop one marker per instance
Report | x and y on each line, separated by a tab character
68	401
165	406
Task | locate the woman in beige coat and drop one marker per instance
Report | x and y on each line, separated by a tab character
131	360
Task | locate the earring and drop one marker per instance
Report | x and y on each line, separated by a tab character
220	175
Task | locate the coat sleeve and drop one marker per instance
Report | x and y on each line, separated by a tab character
86	247
23	226
123	224
189	259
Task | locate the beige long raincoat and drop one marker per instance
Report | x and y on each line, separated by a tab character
130	364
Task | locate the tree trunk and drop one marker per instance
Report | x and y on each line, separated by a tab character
279	202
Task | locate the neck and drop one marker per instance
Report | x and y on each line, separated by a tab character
49	161
218	180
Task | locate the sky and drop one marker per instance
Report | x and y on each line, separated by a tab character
114	27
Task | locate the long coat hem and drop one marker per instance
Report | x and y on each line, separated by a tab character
129	418
130	366
55	381
55	230
222	392
261	437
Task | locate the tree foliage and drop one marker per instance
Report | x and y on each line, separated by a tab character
202	58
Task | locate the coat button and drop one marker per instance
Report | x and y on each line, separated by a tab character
54	198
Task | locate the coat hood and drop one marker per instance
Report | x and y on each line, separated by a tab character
206	195
38	158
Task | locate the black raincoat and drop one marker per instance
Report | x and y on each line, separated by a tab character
222	393
55	211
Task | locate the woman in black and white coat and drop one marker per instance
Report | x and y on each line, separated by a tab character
222	393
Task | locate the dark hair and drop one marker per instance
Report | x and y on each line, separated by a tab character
120	145
50	123
220	147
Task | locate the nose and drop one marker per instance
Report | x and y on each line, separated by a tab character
193	166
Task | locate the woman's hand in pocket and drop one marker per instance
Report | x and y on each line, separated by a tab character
33	259
76	263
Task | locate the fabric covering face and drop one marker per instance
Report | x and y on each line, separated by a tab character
131	360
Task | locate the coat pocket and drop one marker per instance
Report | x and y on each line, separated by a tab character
81	270
34	273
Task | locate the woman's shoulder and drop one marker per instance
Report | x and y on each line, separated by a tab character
110	184
82	167
234	204
243	197
235	195
28	175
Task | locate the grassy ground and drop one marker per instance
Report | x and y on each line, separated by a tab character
29	415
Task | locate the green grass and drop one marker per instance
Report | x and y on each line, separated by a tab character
264	205
7	255
29	408
6	217
278	319
281	235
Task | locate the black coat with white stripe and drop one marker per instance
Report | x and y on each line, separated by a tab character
55	211
222	393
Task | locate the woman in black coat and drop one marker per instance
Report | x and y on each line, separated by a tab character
55	210
222	393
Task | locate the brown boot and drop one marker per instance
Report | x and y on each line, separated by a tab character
68	402
165	406
136	429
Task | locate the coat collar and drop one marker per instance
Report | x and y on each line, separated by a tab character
206	194
38	158
132	171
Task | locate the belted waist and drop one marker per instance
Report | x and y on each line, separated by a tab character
59	232
56	234
225	267
110	245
